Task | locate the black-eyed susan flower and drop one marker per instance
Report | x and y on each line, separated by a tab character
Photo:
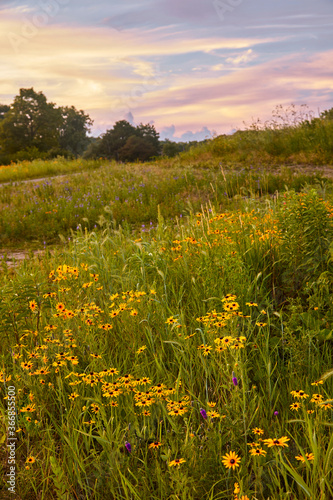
256	452
213	414
318	382
299	394
231	460
211	404
73	396
308	456
30	460
282	442
33	305
316	398
295	406
257	431
177	462
154	445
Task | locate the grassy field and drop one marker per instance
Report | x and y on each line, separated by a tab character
177	343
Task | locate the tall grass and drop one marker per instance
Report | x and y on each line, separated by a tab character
39	211
129	352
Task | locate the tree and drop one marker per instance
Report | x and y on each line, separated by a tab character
149	133
31	122
137	148
114	139
125	142
3	110
73	130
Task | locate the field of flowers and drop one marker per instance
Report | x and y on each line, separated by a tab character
190	358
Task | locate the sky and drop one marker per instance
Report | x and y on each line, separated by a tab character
193	68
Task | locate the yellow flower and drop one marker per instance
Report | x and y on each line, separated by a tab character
277	442
30	460
231	460
33	305
257	452
155	444
308	456
257	431
177	462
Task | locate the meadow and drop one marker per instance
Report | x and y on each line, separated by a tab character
176	343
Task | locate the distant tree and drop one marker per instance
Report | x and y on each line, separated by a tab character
149	133
73	130
3	110
31	122
137	148
125	142
114	139
170	148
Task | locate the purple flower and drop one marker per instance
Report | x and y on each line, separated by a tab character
203	413
128	446
276	413
234	379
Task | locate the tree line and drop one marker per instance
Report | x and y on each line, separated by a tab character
31	127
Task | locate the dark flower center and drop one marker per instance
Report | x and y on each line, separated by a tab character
232	461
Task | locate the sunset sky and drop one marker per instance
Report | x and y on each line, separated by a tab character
191	67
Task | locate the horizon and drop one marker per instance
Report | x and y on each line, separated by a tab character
193	69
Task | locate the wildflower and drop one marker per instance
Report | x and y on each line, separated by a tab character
203	413
326	406
28	409
237	489
206	350
231	460
234	379
177	462
251	304
316	398
295	406
257	431
276	413
155	444
141	349
261	324
60	307
213	414
146	413
318	382
73	396
257	452
211	404
33	305
128	446
30	460
299	394
308	456
277	442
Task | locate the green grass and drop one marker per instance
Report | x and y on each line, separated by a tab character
41	211
45	168
155	305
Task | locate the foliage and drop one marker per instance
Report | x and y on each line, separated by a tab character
42	210
130	352
124	142
34	128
